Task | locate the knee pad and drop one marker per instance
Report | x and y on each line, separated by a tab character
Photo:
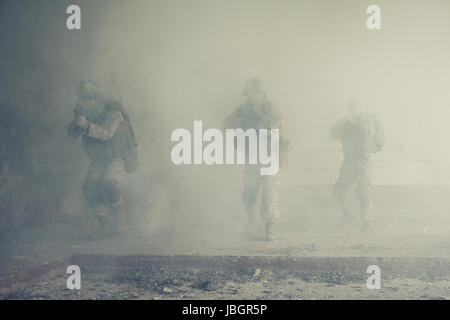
110	192
362	192
90	192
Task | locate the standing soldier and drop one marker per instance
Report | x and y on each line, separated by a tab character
361	135
261	192
109	142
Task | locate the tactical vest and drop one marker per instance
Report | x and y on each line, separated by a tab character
121	145
360	137
259	117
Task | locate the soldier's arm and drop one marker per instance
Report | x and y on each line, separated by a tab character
73	130
379	135
107	129
234	120
336	131
277	122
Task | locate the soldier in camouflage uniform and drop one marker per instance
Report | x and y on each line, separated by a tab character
361	135
109	141
261	192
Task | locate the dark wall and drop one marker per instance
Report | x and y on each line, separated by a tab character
40	64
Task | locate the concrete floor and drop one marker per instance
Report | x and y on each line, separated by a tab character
410	223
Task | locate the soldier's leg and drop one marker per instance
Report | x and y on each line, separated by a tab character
363	190
92	192
91	189
251	194
270	199
342	188
111	189
106	220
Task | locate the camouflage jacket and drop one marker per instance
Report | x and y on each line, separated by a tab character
264	115
360	135
109	135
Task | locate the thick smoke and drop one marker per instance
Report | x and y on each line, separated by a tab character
178	61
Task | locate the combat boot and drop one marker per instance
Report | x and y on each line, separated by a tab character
118	220
107	228
270	234
367	218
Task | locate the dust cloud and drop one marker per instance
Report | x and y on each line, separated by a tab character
181	61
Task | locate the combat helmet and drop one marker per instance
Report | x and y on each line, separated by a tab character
252	86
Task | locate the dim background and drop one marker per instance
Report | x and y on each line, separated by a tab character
180	61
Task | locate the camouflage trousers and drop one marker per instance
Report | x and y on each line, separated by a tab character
101	188
261	193
355	171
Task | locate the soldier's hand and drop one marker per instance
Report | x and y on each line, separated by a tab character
81	122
